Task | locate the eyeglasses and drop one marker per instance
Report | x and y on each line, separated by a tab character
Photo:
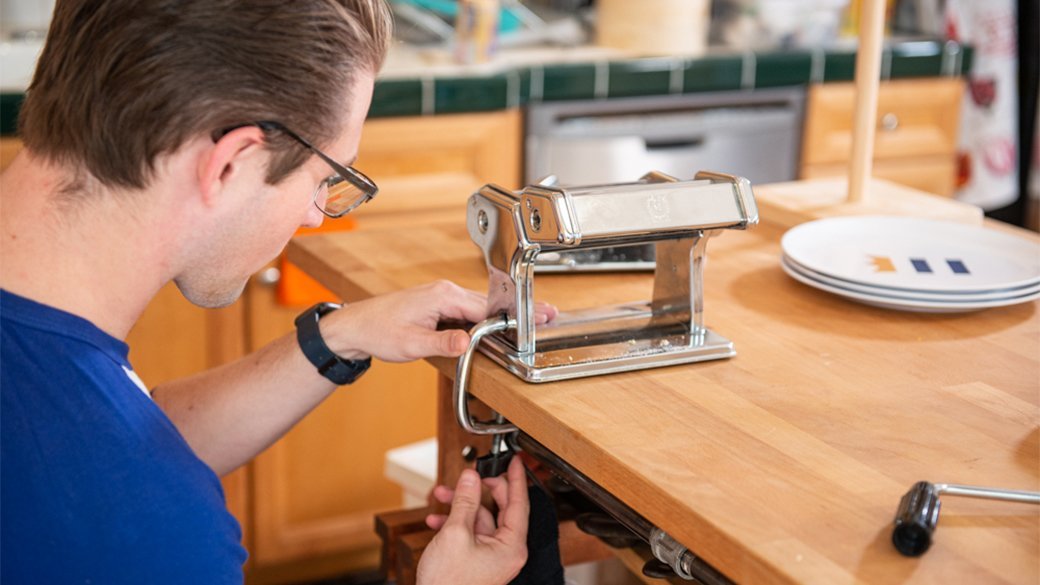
339	193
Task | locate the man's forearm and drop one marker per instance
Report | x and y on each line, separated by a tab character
230	414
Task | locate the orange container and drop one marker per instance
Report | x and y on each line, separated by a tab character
294	287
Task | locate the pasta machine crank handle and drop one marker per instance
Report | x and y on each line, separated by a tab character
462	370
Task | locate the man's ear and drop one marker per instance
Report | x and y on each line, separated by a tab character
228	159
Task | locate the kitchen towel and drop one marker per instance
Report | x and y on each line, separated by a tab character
543	543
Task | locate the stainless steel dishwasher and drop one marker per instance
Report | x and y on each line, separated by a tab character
753	134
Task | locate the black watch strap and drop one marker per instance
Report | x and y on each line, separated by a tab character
330	365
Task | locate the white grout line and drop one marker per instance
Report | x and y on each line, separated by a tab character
601	81
537	83
675	76
818	65
429	98
747	70
512	89
951	59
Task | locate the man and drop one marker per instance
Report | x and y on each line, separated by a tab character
186	141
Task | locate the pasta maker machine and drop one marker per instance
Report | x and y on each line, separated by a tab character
513	228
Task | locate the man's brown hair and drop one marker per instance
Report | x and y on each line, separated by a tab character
120	82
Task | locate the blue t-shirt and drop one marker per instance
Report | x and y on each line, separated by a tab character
98	486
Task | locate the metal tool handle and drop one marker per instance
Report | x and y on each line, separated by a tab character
918	512
988	493
459	393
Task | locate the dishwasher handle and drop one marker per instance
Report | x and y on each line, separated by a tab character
665	145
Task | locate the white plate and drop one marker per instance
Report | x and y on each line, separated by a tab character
882	251
903	293
888	302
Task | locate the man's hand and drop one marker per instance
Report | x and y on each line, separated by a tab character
402	326
471	548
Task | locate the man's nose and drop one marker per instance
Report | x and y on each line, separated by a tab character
314	217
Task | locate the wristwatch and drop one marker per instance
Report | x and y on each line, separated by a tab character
330	365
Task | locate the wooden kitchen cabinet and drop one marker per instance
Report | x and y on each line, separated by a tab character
427	167
315	492
9	148
916	138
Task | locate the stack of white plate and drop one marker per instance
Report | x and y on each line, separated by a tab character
912	264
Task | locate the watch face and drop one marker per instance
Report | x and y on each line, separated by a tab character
346	372
326	308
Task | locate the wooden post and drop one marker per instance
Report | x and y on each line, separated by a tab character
868	75
451	439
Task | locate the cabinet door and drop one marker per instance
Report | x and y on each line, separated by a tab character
915	117
9	148
427	168
916	138
315	492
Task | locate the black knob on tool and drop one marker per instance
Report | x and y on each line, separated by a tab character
497	461
656	569
493	464
916	518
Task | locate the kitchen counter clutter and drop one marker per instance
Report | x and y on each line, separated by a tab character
417	83
787	462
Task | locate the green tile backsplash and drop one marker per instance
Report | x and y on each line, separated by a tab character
644	77
780	69
630	78
9	105
453	95
712	73
840	66
567	82
397	97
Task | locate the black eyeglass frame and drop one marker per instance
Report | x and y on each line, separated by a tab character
345	172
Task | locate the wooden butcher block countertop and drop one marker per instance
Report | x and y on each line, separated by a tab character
785	463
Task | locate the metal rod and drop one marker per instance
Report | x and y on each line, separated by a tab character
987	493
640	526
